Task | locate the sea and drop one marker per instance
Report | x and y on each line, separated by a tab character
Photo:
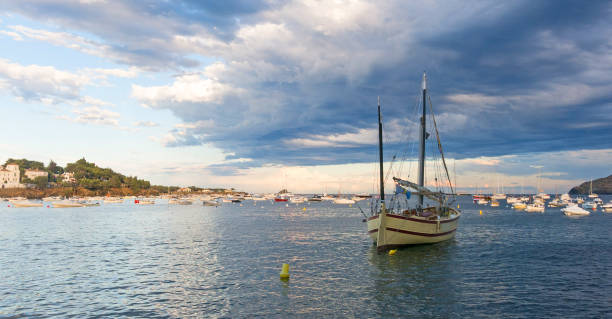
193	261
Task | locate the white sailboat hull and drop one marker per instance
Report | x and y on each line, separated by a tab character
401	230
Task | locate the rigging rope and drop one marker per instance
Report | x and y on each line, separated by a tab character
440	144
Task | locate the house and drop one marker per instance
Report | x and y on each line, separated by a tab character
9	176
68	177
33	173
185	190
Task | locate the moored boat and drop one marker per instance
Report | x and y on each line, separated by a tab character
26	204
67	204
404	225
574	210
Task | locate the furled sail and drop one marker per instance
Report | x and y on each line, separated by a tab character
420	190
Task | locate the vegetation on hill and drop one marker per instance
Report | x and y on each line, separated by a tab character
90	176
89	179
600	186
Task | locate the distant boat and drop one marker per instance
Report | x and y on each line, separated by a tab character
494	203
67	204
591	194
210	203
590	205
344	201
574	210
482	201
112	200
536	207
315	198
607	207
146	202
519	205
26	204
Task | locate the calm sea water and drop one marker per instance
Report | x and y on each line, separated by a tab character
191	261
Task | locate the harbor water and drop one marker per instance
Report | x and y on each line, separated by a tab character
173	261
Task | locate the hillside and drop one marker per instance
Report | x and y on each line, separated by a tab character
600	186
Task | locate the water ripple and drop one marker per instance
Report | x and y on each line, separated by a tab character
192	261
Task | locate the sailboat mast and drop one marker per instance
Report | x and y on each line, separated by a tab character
380	153
422	136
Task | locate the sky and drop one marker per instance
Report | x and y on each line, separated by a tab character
262	95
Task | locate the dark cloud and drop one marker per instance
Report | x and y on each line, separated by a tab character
513	78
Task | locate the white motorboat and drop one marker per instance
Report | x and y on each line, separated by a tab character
67	204
536	207
297	199
607	207
343	201
26	204
574	210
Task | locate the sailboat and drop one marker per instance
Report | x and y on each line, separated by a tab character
591	194
421	224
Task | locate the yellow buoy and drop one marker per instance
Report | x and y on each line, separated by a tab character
481	212
392	252
457	205
304	208
284	274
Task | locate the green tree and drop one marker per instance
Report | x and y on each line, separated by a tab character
53	168
41	182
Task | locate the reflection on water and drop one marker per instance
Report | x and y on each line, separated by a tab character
192	261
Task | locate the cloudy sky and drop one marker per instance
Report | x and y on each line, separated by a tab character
265	94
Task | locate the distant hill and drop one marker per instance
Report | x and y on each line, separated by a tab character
600	186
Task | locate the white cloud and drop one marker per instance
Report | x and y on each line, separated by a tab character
190	88
93	115
41	83
146	124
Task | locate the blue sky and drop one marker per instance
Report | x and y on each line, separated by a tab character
261	95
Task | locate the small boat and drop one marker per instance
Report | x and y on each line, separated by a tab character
591	194
482	201
590	205
210	203
343	201
607	207
67	204
89	204
113	200
574	210
511	200
519	205
499	196
535	208
26	204
281	199
315	198
494	203
145	202
297	199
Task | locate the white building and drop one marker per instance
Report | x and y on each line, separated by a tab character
9	176
68	177
33	173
